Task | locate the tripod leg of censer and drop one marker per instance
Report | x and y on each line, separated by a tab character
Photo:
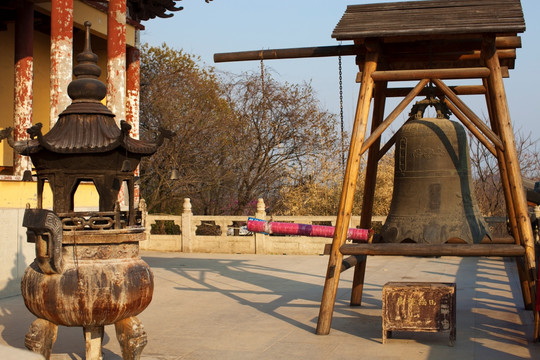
93	337
41	337
132	337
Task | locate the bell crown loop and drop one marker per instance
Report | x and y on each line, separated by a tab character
418	109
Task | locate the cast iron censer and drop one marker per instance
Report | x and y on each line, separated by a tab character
87	270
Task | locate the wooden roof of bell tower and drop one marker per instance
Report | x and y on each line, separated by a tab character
435	33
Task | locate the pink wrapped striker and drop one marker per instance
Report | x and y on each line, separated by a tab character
281	228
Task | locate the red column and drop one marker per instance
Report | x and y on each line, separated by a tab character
61	56
116	58
24	75
133	86
132	101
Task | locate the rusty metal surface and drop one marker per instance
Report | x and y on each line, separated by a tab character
89	291
417	306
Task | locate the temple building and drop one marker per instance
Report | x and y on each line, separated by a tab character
39	39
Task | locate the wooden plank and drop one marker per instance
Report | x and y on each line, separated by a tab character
407	249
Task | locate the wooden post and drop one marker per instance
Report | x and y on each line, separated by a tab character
349	186
379	102
500	108
525	290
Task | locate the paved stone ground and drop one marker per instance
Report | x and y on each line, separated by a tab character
209	306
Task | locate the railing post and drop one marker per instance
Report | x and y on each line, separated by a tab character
187	216
260	237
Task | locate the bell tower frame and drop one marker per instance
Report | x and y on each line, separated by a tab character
429	41
452	40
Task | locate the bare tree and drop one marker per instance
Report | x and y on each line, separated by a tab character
283	132
486	176
238	138
179	95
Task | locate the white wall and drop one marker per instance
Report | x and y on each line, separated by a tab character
15	253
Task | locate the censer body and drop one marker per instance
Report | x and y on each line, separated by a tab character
100	284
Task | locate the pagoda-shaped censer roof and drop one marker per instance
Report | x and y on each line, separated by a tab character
86	144
86	125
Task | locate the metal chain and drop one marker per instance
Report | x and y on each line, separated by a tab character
262	75
262	88
341	113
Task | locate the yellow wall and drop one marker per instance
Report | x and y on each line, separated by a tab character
6	90
16	194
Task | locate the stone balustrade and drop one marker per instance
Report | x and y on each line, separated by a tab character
225	234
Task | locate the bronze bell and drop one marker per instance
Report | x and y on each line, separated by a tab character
433	201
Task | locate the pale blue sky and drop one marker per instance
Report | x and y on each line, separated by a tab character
237	25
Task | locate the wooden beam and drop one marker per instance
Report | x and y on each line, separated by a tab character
446	44
441	49
406	75
350	262
458	90
347	195
291	53
407	249
461	58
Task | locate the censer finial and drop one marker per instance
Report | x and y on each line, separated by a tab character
87	87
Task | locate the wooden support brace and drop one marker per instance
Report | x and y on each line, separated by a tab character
469	113
393	115
470	126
